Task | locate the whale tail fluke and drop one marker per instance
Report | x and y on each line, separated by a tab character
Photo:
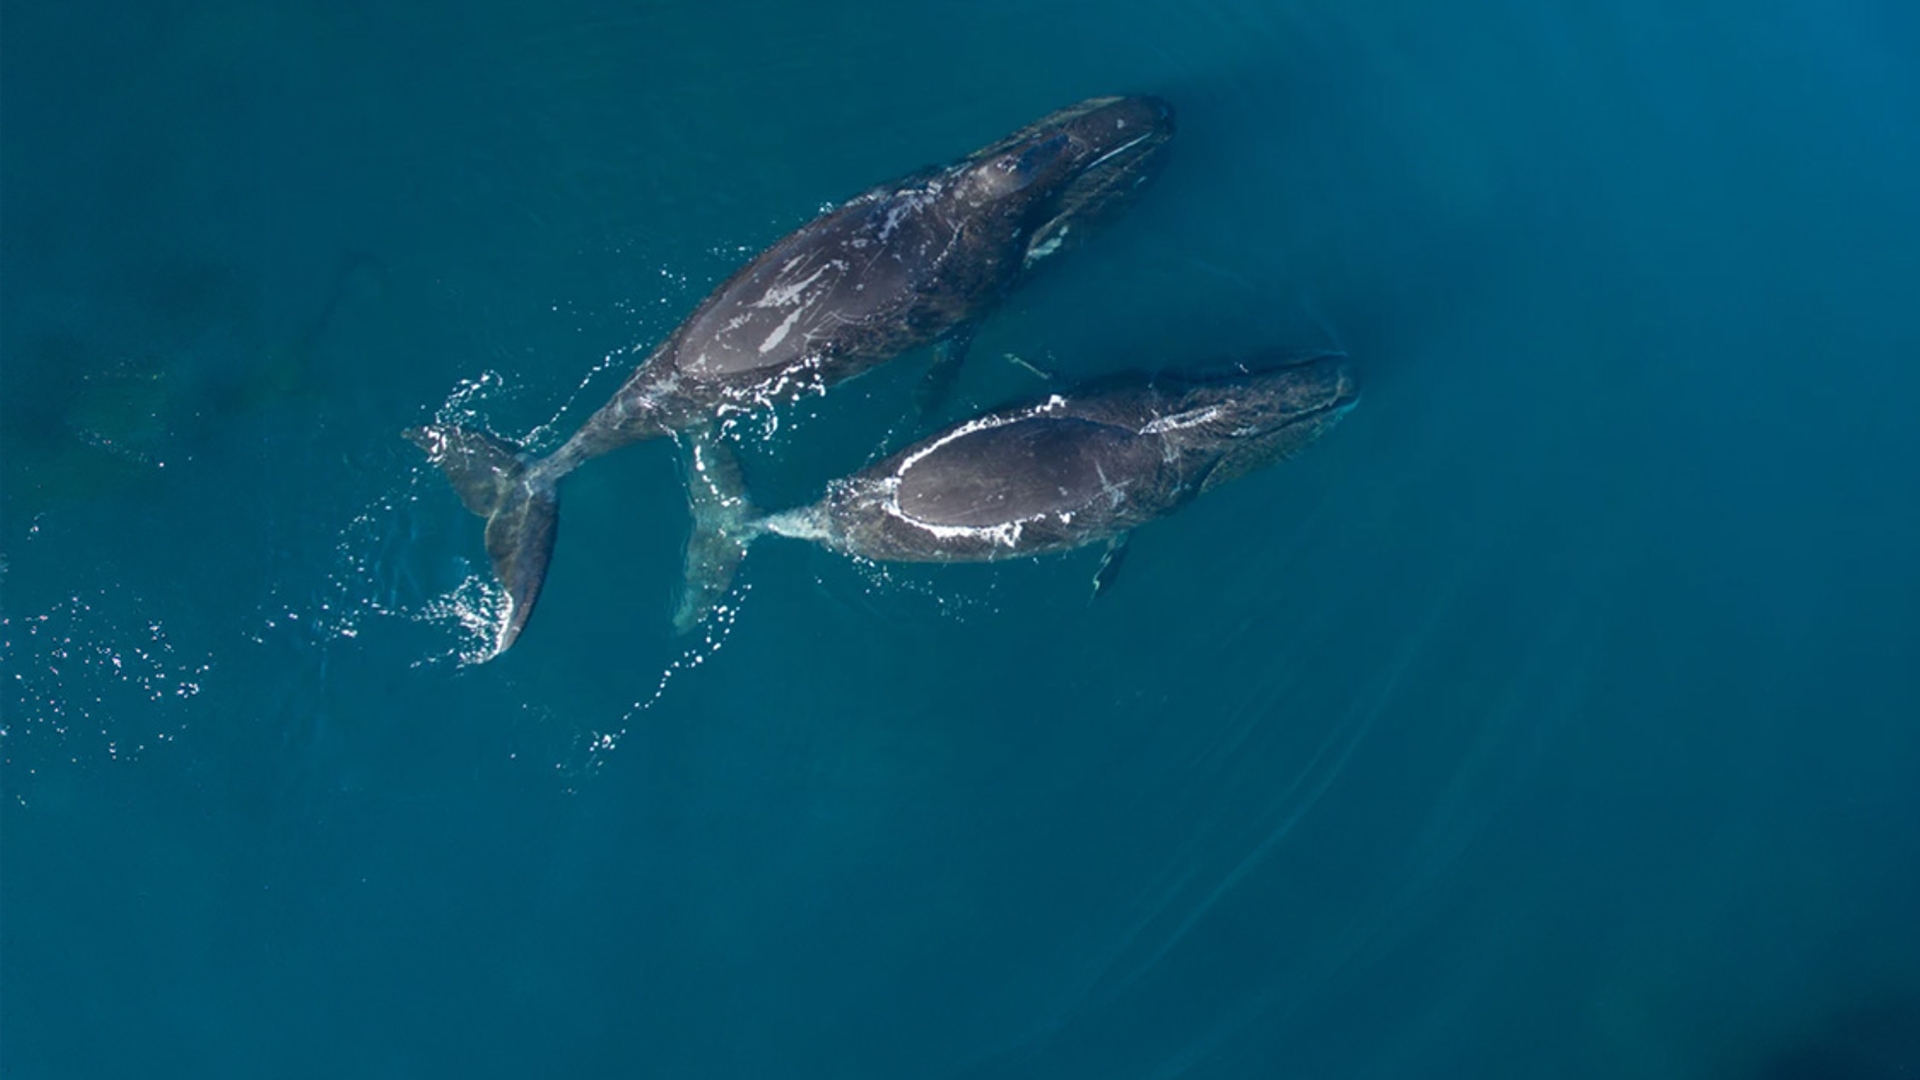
725	524
495	481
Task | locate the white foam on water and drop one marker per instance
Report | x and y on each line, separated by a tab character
889	579
86	682
714	631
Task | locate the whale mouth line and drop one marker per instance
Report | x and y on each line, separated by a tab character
1341	403
1339	406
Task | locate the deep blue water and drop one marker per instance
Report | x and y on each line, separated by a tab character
1555	716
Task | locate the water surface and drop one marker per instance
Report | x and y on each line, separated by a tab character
1555	716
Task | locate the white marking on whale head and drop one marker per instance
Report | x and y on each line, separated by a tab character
1121	149
1181	420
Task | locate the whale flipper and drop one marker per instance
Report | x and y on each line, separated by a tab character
522	509
724	526
1109	568
948	355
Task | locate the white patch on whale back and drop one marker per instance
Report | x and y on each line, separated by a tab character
789	292
906	203
984	423
894	214
1115	493
780	332
1007	533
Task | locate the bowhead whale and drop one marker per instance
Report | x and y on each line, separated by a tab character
1064	472
906	264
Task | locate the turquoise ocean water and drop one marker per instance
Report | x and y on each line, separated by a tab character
1558	715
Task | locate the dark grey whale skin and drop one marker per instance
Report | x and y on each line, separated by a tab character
902	265
1075	470
1057	474
895	268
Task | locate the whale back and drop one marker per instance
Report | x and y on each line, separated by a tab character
814	290
1039	466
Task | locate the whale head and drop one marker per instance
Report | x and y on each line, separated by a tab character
1073	165
1259	412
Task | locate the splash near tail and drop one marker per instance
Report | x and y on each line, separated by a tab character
522	509
725	524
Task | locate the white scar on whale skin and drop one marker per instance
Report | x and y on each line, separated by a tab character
780	332
1121	149
1190	418
905	203
789	292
